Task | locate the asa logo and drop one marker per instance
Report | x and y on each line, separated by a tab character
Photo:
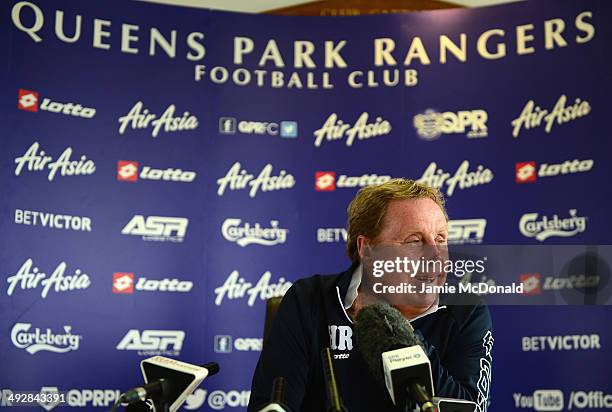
153	342
466	231
157	228
28	100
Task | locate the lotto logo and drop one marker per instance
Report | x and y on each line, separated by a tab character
127	171
28	100
123	282
531	283
325	181
526	172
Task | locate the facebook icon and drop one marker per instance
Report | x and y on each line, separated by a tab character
223	343
227	125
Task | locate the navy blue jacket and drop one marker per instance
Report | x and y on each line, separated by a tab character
311	317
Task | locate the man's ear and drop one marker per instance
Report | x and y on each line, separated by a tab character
363	247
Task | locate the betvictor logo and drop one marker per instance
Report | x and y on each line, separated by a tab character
36	340
541	228
28	101
245	234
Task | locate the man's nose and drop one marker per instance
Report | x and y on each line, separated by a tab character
433	250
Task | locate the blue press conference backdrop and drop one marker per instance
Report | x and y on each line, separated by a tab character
165	170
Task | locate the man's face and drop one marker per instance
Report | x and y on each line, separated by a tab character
416	230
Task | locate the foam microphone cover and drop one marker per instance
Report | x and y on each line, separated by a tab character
381	328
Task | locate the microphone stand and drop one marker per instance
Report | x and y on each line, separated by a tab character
418	392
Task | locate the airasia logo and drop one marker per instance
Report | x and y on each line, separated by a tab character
127	171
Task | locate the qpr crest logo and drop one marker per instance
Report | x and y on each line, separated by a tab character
432	124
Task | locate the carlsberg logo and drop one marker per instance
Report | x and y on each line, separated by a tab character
246	234
36	340
541	228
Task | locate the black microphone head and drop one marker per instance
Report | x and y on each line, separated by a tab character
381	328
213	368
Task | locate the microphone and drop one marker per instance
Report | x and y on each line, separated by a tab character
158	388
333	394
151	390
168	383
394	355
278	397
